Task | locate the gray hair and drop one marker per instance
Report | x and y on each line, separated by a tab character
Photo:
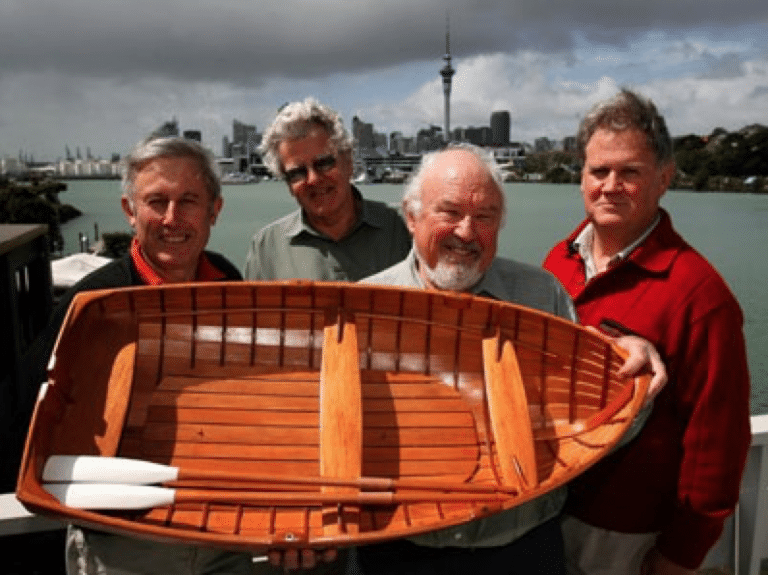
413	187
170	147
294	121
627	110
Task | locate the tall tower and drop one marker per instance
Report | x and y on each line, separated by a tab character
447	73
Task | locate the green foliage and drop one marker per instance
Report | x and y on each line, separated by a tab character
718	160
26	205
559	175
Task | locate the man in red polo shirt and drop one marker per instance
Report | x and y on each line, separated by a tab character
171	198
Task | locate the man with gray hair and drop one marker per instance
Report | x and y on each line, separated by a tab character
454	208
656	505
335	234
171	198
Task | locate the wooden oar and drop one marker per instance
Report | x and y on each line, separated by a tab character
98	469
126	496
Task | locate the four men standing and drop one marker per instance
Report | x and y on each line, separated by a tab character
625	265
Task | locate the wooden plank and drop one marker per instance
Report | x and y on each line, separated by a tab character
341	413
508	408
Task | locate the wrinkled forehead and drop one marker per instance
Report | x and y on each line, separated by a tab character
167	174
461	185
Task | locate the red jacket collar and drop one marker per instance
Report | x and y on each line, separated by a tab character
656	253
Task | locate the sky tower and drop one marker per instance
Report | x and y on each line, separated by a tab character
447	73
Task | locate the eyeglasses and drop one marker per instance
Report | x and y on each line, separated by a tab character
321	165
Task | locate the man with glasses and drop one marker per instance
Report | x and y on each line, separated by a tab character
335	234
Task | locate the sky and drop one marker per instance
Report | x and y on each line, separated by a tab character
102	74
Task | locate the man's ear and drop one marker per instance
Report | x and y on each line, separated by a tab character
216	208
128	210
667	174
410	219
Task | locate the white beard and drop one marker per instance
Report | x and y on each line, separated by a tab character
452	276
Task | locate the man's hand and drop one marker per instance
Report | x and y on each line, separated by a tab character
643	358
655	563
293	559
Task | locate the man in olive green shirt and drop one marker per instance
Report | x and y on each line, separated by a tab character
335	234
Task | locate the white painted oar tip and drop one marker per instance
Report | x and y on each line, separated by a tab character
110	495
94	468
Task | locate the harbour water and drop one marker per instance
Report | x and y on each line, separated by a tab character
731	230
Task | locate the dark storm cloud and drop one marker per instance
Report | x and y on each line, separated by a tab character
243	42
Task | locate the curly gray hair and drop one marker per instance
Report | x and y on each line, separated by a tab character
295	120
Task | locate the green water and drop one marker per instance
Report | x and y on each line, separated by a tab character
731	230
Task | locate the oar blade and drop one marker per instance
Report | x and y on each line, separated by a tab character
91	468
110	495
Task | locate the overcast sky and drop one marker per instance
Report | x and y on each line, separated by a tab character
104	73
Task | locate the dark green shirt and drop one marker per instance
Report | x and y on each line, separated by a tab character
290	248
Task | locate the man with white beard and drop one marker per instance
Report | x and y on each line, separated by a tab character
454	209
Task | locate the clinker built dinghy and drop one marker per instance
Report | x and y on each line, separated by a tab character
301	414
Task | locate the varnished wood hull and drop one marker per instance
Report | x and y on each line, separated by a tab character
325	380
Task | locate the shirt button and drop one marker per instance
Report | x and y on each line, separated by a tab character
457	536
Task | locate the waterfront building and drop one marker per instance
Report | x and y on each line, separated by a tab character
500	124
195	135
244	146
428	139
401	145
12	166
245	136
167	129
363	143
481	136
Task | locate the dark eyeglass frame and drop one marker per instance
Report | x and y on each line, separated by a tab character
321	165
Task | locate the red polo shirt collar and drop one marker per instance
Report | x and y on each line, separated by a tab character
206	271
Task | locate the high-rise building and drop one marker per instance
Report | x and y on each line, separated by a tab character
195	135
500	128
167	129
245	137
362	137
478	136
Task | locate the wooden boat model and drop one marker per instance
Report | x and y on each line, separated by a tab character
310	415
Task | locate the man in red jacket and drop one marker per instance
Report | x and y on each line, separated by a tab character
658	504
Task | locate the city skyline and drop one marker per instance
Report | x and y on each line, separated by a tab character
103	74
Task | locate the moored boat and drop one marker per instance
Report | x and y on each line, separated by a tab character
303	414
